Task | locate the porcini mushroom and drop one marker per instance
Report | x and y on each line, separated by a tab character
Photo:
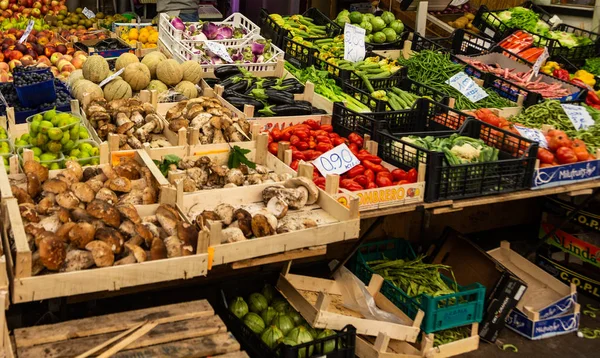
261	226
225	213
277	207
81	234
52	252
105	212
101	252
244	221
83	192
77	260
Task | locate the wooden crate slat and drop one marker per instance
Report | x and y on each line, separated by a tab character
115	322
240	354
196	347
163	333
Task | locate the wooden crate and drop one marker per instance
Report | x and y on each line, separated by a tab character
320	302
139	50
384	347
335	223
28	288
6	349
189	329
220	155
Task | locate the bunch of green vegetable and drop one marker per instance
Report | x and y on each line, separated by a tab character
451	335
456	148
592	65
373	67
551	112
434	69
519	18
396	98
299	25
414	277
378	29
326	86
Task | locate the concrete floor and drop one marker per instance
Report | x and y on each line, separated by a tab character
568	345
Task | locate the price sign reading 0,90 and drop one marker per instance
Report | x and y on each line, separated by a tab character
336	161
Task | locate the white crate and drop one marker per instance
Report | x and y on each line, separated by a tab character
183	53
235	20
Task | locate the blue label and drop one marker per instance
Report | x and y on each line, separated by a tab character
566	174
518	322
558	308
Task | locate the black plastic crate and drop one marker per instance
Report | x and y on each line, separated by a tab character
344	78
345	340
270	30
490	25
420	43
299	55
555	49
512	172
405	84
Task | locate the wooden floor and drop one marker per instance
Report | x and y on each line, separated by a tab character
189	329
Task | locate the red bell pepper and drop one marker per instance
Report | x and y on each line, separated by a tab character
545	156
592	98
565	155
562	74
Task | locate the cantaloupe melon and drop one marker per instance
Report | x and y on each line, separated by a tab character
169	72
157	86
152	60
137	75
117	89
84	88
74	77
187	88
124	60
95	69
192	71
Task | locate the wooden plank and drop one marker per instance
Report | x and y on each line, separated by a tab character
23	254
241	354
196	347
26	337
102	345
286	256
5	191
147	327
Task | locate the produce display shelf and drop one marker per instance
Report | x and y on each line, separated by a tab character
490	25
27	288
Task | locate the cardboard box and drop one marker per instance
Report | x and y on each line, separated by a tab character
548	307
570	270
471	264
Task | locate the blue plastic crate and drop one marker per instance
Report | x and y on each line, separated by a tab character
443	312
37	94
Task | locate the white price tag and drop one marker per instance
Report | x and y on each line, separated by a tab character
111	77
88	13
3	100
555	21
465	85
489	32
535	135
219	50
336	161
27	32
579	116
354	43
540	62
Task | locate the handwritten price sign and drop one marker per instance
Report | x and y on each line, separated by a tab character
88	13
465	85
336	161
354	43
535	135
219	50
579	116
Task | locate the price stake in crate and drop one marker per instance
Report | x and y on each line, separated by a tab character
336	161
535	135
219	50
354	43
27	32
540	62
88	13
579	116
465	85
111	77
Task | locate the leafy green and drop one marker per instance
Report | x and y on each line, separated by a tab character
166	163
237	156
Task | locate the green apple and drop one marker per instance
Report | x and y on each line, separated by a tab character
25	136
36	158
85	147
95	152
83	133
74	131
95	161
84	158
21	143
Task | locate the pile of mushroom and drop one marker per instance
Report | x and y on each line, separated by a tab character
239	224
135	122
202	173
215	123
84	218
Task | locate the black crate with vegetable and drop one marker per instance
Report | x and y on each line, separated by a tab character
312	24
287	335
500	23
460	42
476	160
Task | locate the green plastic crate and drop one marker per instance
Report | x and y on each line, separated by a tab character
442	312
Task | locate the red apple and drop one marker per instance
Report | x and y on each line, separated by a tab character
14	7
77	53
49	50
44	10
43	59
12	1
4	4
36	12
61	48
41	65
77	62
14	63
22	2
43	40
54	3
61	62
6	14
9	12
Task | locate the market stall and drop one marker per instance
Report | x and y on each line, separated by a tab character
326	178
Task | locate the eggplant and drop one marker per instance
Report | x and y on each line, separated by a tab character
280	97
291	110
316	110
269	82
213	81
304	103
249	89
296	88
222	72
239	103
239	87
